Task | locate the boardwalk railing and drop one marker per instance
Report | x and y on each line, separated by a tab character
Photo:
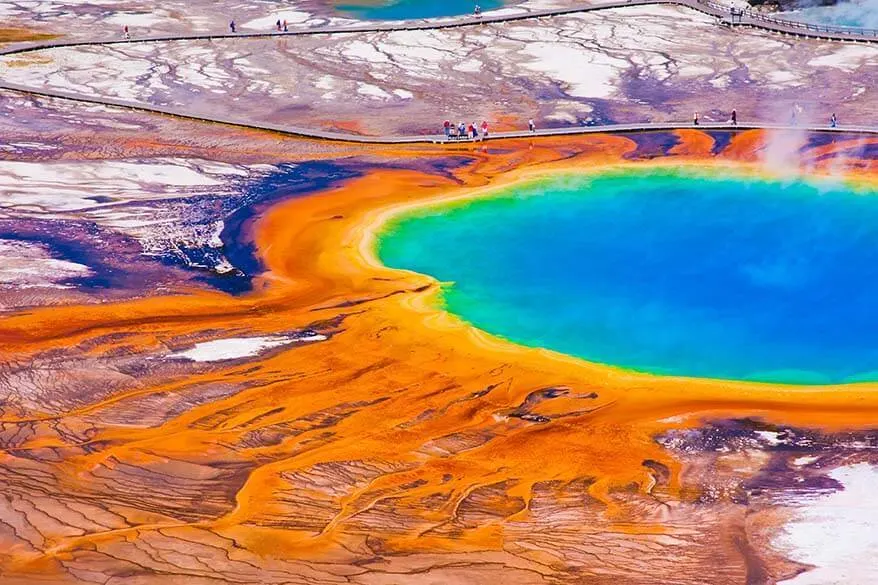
754	17
743	17
316	134
749	18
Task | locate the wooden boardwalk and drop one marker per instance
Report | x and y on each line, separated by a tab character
724	15
424	138
721	12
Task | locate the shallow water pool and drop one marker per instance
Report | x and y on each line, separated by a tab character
413	9
671	272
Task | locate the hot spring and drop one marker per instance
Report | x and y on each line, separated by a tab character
855	13
673	272
413	9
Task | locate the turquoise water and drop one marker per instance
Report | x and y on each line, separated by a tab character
858	14
410	9
668	272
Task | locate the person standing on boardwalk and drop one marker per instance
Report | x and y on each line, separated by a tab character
531	126
447	126
277	25
794	115
484	129
232	26
695	119
833	121
126	33
286	28
734	117
478	11
461	130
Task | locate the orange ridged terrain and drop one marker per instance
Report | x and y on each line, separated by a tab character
396	451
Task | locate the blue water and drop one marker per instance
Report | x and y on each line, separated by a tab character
669	273
412	9
858	14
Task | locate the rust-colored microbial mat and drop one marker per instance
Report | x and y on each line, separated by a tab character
365	437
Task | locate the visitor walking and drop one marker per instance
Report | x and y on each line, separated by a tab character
461	130
286	28
447	126
484	129
531	126
232	26
474	130
478	11
794	115
277	25
734	117
695	119
126	33
833	121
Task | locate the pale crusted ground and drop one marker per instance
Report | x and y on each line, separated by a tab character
114	200
155	202
105	18
89	193
622	65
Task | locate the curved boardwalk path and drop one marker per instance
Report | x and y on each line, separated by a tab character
746	18
721	12
424	138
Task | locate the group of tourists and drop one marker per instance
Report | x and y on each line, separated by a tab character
474	131
279	26
465	131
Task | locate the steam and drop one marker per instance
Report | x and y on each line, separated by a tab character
786	153
861	13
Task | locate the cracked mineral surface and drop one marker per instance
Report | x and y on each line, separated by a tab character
207	378
620	65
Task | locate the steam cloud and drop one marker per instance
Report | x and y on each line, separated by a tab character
863	13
